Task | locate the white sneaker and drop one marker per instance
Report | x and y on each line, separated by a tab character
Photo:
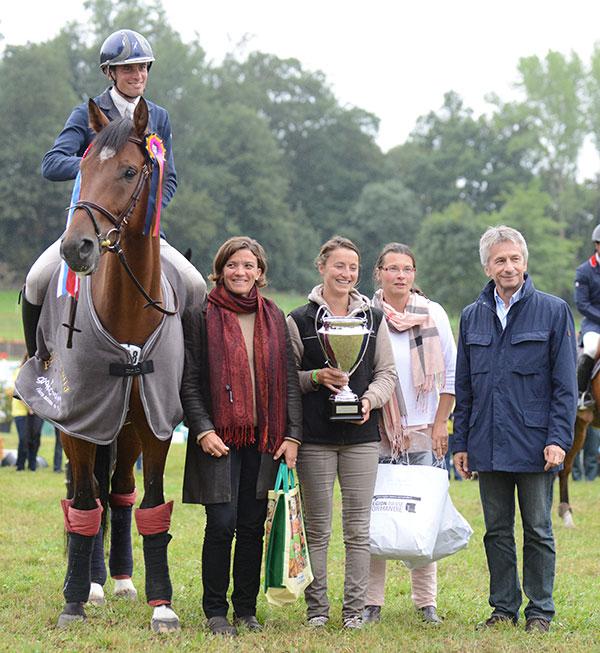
317	622
353	623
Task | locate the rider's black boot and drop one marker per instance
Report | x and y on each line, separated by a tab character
30	316
585	365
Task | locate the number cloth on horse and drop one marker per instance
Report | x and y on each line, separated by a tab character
84	390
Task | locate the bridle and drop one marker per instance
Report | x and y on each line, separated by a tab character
120	222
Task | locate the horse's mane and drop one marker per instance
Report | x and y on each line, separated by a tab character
114	135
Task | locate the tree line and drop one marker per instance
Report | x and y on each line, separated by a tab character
263	148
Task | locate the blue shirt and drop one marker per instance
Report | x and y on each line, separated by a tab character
501	308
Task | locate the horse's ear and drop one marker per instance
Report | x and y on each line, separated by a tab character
98	120
140	118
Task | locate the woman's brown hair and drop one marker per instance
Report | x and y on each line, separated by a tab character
229	248
335	243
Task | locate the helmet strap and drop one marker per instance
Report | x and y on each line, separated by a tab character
114	81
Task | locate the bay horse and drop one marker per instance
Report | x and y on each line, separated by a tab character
109	218
583	419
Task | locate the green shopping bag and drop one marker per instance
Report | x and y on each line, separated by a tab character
287	562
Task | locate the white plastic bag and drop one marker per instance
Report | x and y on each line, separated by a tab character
453	535
406	511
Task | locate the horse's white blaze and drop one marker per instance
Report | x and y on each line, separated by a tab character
164	620
106	153
125	588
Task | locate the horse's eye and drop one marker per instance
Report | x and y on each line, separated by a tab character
130	173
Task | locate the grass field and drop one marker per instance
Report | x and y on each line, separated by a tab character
32	567
10	316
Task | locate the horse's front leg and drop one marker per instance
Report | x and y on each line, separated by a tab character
82	516
153	519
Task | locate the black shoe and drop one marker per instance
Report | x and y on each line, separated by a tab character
429	614
221	626
372	614
537	625
250	621
496	619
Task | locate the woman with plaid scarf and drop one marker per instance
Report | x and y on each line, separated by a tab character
416	417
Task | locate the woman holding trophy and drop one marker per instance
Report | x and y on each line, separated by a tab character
338	329
416	417
242	404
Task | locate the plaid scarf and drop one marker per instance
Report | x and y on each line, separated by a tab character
427	360
230	379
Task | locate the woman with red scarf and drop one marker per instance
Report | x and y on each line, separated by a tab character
241	398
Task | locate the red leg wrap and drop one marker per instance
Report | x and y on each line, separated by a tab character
157	602
154	520
83	522
123	499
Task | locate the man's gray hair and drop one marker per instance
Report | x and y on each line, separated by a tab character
500	234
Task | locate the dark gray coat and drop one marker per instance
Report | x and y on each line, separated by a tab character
207	478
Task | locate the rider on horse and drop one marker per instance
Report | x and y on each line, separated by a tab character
125	58
587	300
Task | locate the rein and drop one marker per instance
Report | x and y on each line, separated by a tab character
120	222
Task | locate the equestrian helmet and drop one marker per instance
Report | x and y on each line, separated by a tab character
125	47
596	234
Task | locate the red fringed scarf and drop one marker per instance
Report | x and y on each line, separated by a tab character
230	380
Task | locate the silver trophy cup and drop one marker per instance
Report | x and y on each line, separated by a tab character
344	342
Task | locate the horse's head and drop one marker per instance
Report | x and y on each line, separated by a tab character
113	177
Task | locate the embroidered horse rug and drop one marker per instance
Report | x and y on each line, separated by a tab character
84	390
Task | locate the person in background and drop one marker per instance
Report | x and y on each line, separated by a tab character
125	59
416	417
346	450
241	400
589	453
587	300
516	400
58	451
448	456
29	429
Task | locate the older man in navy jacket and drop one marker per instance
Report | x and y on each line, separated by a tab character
516	399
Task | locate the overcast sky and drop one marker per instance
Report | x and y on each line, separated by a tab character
394	58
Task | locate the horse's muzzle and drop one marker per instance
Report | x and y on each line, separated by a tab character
81	254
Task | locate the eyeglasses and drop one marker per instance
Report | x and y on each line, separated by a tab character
392	269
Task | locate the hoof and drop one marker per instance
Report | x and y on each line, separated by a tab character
164	620
125	589
71	613
96	596
564	512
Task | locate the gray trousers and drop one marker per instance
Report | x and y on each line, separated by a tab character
356	468
42	270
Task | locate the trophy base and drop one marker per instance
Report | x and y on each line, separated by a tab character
343	411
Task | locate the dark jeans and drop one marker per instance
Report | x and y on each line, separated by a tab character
243	516
29	430
58	451
589	451
534	491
